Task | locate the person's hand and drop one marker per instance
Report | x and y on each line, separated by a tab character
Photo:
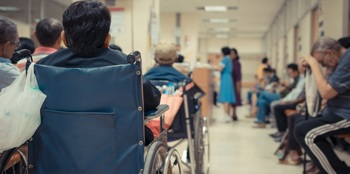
307	60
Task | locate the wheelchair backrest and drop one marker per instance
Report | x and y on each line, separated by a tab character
92	121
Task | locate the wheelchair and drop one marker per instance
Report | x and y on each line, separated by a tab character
190	126
92	121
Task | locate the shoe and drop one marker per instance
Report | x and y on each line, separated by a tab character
266	122
259	125
184	158
235	118
278	139
274	135
289	161
277	135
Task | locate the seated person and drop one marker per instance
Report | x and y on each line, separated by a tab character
48	34
165	56
266	98
86	34
8	43
272	79
312	134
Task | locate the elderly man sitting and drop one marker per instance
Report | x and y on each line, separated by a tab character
165	56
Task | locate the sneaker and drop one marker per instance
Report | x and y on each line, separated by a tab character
184	158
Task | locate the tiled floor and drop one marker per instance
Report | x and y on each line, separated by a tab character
237	148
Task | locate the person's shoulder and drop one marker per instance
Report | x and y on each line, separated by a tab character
117	56
51	58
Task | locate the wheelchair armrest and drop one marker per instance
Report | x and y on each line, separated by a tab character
149	115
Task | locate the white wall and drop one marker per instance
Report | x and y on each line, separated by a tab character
189	33
23	29
290	46
136	31
304	36
334	18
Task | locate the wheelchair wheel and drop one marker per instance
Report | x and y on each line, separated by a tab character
155	158
14	161
172	162
202	148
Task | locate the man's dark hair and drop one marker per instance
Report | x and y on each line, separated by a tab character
344	42
267	70
26	43
226	51
236	52
180	58
264	60
86	26
48	31
115	47
292	66
8	31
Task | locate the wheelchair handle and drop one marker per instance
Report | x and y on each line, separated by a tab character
134	56
24	53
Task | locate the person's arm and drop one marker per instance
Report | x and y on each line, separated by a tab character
325	89
151	95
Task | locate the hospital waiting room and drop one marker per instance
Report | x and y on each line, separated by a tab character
174	87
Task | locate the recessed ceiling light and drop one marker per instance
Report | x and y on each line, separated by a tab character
9	8
215	8
219	20
221	36
222	29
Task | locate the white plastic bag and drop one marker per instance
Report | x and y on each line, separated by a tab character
20	105
313	99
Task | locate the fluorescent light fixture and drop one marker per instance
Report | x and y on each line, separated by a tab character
9	8
223	29
215	8
219	20
221	36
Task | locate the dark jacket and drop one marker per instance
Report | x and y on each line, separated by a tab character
165	72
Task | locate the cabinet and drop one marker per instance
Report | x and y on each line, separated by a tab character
204	78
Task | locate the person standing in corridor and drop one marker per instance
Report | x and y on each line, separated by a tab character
237	83
227	95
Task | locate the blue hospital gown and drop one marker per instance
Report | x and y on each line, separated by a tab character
227	94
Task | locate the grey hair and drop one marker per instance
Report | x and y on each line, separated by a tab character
326	43
8	31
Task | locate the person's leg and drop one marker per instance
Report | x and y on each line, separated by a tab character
249	97
312	134
227	108
262	104
280	116
254	104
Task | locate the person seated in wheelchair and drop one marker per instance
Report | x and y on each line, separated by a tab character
165	57
86	34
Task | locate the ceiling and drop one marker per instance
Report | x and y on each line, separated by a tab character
251	18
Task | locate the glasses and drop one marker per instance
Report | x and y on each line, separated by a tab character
14	43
